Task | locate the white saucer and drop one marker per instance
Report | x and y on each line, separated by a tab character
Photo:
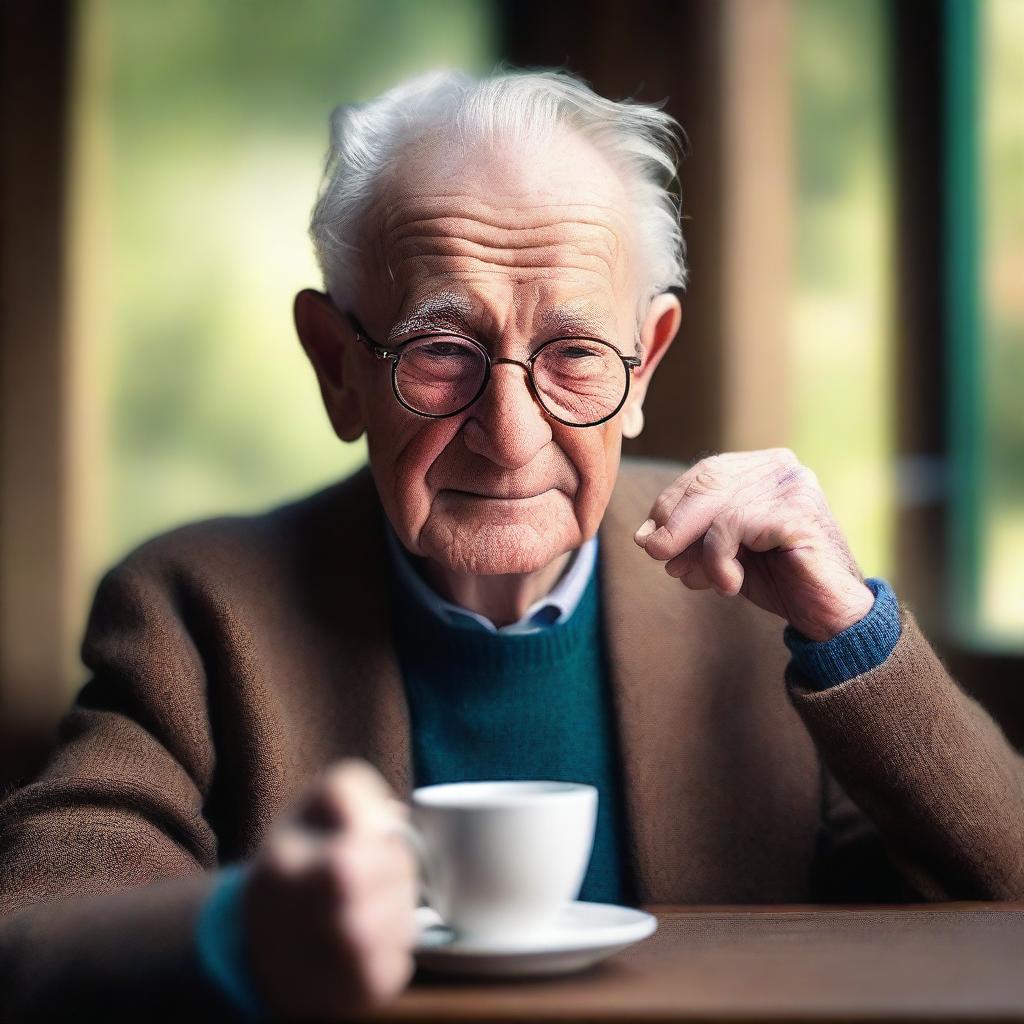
581	935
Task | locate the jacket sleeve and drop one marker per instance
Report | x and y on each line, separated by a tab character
926	780
106	858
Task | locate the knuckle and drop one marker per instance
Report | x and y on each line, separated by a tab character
791	478
705	481
800	484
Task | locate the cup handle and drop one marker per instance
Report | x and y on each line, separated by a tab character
411	835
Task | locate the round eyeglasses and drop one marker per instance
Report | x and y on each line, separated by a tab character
580	382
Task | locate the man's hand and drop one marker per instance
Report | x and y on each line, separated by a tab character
329	902
757	524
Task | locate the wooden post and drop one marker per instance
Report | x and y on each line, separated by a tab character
758	185
33	379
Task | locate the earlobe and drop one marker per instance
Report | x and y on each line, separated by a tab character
318	327
632	421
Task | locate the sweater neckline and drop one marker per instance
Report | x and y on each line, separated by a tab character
429	640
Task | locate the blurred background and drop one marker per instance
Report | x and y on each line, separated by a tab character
854	210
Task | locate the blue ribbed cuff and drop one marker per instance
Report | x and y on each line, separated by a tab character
859	648
220	943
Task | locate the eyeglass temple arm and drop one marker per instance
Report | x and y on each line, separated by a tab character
361	334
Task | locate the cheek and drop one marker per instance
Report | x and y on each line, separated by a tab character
402	448
595	453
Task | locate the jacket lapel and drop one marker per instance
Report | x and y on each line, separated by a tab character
653	628
374	719
720	778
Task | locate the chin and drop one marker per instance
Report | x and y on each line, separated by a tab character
492	549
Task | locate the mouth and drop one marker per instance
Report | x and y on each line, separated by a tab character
498	497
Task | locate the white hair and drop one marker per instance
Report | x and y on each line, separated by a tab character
642	142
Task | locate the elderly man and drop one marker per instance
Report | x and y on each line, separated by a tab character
494	597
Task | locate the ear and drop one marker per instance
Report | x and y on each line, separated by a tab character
330	342
660	326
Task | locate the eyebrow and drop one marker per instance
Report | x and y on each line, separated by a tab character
570	323
451	311
457	313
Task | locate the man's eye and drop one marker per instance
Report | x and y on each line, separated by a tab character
446	348
575	351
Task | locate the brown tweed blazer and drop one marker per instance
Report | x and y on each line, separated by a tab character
231	660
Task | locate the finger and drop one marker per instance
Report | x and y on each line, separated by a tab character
662	535
710	478
663	505
362	866
684	512
388	863
688	567
372	803
685	524
354	795
711	467
324	806
721	547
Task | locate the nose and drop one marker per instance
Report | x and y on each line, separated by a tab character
507	424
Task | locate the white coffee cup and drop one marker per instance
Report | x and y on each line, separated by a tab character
499	860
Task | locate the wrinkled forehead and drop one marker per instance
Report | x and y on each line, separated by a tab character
529	237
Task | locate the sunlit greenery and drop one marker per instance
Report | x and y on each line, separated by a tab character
841	299
1002	177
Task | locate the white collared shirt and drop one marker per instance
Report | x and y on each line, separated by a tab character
554	607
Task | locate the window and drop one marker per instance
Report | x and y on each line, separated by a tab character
996	507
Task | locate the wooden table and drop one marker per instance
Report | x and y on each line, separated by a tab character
921	962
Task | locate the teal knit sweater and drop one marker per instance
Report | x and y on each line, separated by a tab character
526	706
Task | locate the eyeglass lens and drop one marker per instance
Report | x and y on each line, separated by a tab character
577	380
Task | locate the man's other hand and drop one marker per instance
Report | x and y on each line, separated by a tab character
329	903
758	524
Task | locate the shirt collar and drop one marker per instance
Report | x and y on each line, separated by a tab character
554	607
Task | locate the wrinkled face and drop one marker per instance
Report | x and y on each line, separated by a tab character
511	249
